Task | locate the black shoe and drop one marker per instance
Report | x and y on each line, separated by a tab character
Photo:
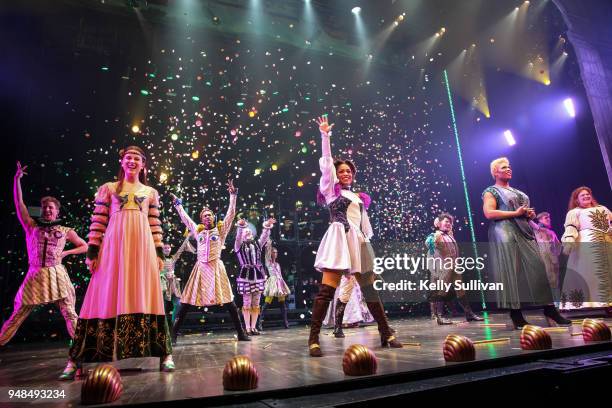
473	317
439	313
553	316
442	321
242	336
517	319
254	332
233	312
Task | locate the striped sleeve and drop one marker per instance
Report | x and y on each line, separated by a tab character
100	216
155	222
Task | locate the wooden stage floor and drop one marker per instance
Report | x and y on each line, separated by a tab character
280	356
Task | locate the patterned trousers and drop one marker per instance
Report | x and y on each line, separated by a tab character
10	326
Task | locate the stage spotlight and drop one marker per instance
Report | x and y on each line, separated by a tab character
356	10
509	138
216	20
569	107
135	129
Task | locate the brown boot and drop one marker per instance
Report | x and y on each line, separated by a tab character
387	339
338	318
319	309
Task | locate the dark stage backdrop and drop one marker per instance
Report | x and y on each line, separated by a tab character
211	106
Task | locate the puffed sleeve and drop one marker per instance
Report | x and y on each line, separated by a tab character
155	223
99	220
572	226
328	179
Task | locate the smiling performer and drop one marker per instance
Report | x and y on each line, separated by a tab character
345	246
588	239
122	315
47	280
515	257
208	284
252	277
441	246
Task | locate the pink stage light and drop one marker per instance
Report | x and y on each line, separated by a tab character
569	107
509	138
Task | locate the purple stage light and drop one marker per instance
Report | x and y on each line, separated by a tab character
509	138
569	107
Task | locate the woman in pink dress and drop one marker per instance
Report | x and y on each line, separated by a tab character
122	315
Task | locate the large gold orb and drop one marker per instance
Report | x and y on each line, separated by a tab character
240	374
593	330
535	338
458	348
103	385
359	360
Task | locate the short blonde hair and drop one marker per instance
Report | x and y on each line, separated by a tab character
495	164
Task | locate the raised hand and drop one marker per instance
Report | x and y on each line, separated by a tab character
20	171
175	199
230	186
271	221
324	126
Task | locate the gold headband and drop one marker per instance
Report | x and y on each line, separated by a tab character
123	153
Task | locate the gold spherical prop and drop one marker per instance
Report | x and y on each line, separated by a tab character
240	374
359	360
458	348
103	385
594	330
535	338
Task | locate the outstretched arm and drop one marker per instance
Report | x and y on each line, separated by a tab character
22	211
184	246
178	206
231	210
326	162
242	226
264	237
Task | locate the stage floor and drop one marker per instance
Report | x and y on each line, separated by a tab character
280	356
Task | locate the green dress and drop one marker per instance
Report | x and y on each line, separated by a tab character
515	257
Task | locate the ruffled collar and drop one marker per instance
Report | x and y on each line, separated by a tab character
42	223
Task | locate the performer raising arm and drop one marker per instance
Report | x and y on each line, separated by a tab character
208	284
252	276
47	280
345	246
